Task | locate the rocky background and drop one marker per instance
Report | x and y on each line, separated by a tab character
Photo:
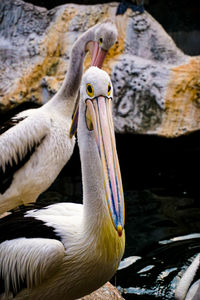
156	85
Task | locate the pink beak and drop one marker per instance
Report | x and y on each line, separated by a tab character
98	57
100	110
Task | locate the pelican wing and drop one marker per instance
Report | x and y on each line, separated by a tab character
20	137
5	126
27	263
6	118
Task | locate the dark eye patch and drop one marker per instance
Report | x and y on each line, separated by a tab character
89	88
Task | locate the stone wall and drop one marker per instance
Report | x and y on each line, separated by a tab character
156	86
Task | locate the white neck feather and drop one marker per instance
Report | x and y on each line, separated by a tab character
65	98
94	198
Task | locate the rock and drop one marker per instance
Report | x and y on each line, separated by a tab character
156	86
106	292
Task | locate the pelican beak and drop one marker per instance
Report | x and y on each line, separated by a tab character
99	114
98	55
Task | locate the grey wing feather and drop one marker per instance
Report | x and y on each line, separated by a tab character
18	144
26	263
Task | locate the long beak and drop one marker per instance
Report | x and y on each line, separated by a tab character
100	112
98	56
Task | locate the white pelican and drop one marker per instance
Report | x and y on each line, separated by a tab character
65	250
35	144
186	291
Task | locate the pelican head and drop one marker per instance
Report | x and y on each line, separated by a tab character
105	36
96	99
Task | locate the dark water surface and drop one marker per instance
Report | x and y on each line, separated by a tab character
162	196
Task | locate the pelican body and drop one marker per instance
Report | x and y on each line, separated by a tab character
35	144
66	250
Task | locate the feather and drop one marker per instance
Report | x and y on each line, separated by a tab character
10	123
16	162
17	225
5	116
28	263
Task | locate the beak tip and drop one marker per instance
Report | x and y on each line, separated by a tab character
119	230
71	133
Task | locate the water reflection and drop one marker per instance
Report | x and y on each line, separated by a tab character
159	229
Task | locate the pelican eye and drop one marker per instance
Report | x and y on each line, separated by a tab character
100	41
90	90
109	89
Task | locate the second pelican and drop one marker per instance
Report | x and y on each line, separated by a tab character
66	250
35	144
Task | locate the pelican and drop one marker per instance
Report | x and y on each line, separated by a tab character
186	291
66	250
35	144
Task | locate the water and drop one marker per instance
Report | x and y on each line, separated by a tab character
161	230
161	186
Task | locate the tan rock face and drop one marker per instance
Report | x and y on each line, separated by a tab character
182	100
106	292
41	58
156	86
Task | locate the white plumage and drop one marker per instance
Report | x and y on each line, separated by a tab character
67	250
37	145
47	160
186	291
